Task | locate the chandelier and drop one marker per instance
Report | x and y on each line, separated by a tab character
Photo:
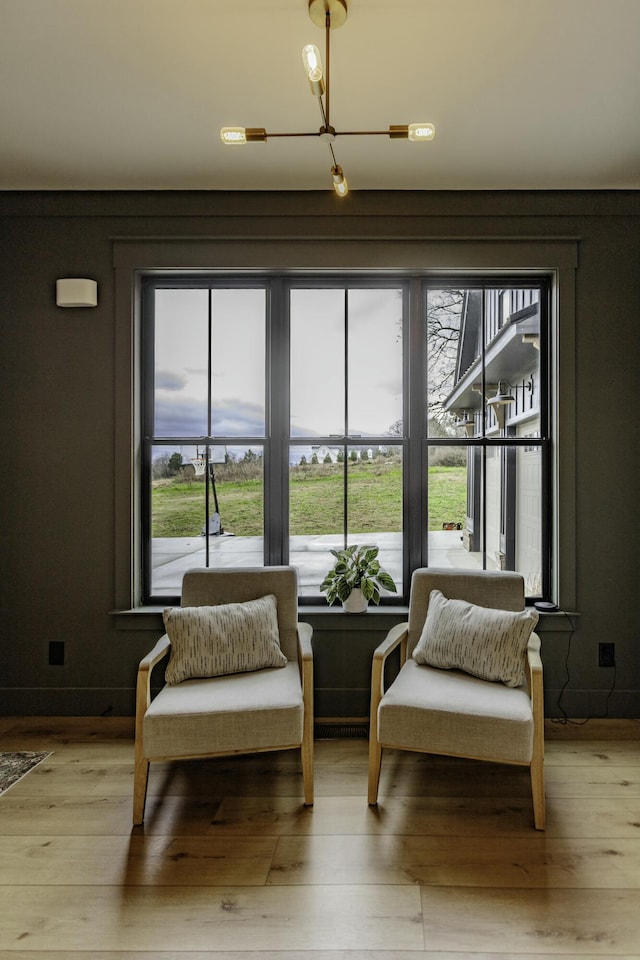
327	14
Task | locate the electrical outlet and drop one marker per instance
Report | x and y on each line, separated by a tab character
56	653
606	654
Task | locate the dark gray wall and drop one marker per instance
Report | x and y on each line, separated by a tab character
59	418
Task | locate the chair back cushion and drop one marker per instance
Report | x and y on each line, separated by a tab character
214	585
501	590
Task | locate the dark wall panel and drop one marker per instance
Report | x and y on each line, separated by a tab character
58	374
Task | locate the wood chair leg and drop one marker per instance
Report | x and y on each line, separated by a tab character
375	761
306	755
140	780
537	792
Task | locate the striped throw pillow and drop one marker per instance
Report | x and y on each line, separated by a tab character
227	638
482	641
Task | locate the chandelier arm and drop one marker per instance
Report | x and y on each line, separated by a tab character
323	113
311	134
327	31
362	133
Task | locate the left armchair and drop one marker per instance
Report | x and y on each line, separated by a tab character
223	700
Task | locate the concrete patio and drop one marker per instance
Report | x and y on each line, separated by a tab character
310	554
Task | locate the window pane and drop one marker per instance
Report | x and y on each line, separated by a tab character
453	487
458	372
182	480
177	517
445	311
515	539
316	512
375	361
236	494
238	363
374	504
317	363
316	508
512	362
499	528
180	363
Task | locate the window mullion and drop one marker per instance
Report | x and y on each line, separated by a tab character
345	471
276	477
416	452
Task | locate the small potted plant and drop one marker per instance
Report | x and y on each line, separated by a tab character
356	578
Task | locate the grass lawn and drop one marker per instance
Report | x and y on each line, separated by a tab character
315	504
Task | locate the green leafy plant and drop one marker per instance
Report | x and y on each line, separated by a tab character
356	567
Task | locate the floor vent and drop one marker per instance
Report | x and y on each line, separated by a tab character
337	731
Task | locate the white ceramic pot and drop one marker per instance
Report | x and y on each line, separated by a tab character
356	602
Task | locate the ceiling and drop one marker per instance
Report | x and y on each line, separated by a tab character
130	94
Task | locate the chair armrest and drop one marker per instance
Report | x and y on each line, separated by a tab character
305	665
396	636
143	685
533	652
534	671
305	632
160	650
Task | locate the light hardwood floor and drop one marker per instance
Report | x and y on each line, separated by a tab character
230	864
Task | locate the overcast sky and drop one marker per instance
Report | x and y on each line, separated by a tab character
238	362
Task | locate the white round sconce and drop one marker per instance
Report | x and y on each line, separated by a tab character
76	292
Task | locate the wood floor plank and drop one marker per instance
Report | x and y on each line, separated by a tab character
599	817
592	753
283	955
212	918
532	862
230	864
104	816
136	860
588	923
110	751
284	816
84	779
211	779
594	781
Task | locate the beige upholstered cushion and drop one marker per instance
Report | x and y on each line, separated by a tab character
223	639
482	641
456	714
242	712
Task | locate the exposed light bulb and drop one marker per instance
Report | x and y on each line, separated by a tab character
340	184
233	135
313	68
421	131
242	134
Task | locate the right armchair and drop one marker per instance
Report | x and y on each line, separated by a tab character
470	683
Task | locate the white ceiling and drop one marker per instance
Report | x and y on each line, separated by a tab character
130	94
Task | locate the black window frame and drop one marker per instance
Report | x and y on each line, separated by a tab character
414	442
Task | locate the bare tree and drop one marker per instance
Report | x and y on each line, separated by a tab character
444	319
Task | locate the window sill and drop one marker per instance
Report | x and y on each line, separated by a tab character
150	617
335	618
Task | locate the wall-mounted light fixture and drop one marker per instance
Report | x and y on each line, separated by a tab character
503	399
502	396
468	423
328	14
76	292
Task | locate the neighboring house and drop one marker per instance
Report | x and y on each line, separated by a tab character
322	451
363	453
513	473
